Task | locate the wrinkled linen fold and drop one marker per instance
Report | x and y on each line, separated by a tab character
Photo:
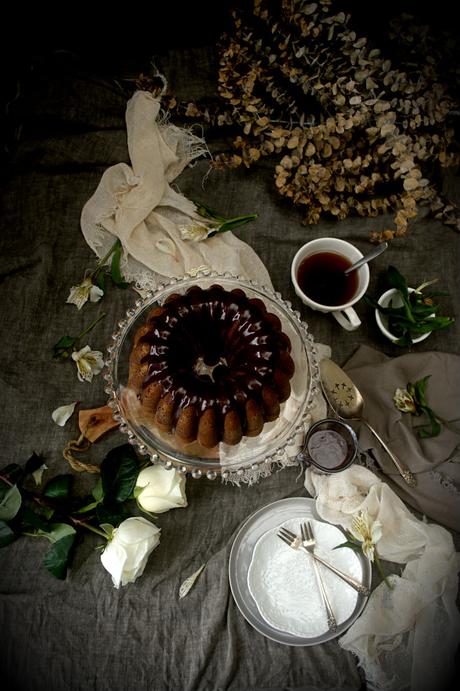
137	204
435	461
407	636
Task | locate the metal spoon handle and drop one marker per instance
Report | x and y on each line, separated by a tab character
405	473
372	255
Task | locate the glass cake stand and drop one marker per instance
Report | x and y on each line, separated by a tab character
277	438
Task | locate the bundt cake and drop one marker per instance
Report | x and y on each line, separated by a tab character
211	365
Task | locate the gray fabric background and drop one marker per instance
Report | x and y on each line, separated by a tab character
82	633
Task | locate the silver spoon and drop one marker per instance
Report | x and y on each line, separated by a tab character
372	255
347	402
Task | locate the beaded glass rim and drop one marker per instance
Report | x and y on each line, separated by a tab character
166	459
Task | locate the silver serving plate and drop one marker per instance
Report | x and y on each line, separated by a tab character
268	518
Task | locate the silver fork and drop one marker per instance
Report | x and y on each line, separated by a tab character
331	621
296	542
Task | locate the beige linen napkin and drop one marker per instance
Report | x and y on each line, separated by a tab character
406	637
137	204
435	461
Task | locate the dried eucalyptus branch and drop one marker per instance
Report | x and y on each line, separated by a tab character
350	131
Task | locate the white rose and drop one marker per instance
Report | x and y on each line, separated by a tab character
160	489
127	552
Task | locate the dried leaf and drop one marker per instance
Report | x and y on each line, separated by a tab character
189	582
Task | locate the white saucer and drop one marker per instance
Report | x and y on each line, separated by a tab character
283	582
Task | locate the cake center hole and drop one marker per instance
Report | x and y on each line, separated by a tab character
202	369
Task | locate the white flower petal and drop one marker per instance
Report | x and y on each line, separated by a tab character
63	413
113	559
155	504
95	293
195	233
376	532
368	550
38	474
136	529
79	294
162	489
89	363
158	477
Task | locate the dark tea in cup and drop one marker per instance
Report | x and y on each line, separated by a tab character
321	277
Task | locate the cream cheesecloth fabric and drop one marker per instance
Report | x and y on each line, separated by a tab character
138	205
405	638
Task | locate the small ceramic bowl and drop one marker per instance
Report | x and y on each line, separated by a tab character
393	296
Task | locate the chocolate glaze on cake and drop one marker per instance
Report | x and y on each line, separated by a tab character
211	365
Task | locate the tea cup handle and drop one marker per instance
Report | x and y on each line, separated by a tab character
347	318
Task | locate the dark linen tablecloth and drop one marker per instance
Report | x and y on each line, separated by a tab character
82	633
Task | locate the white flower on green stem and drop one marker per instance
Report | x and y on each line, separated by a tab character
89	363
366	531
84	291
195	233
404	401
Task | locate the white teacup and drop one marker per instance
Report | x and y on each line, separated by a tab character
344	313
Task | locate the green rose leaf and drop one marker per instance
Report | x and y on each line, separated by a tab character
6	534
88	507
58	487
30	519
112	513
10	504
63	348
56	531
119	471
115	272
97	491
57	557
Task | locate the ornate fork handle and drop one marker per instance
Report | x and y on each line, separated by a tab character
344	576
331	621
408	477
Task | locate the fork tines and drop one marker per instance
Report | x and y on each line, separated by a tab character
287	533
285	539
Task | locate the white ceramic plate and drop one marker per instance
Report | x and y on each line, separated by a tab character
283	582
275	586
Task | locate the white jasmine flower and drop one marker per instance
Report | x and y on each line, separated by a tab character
195	233
127	552
83	292
63	413
159	489
367	531
89	363
404	401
